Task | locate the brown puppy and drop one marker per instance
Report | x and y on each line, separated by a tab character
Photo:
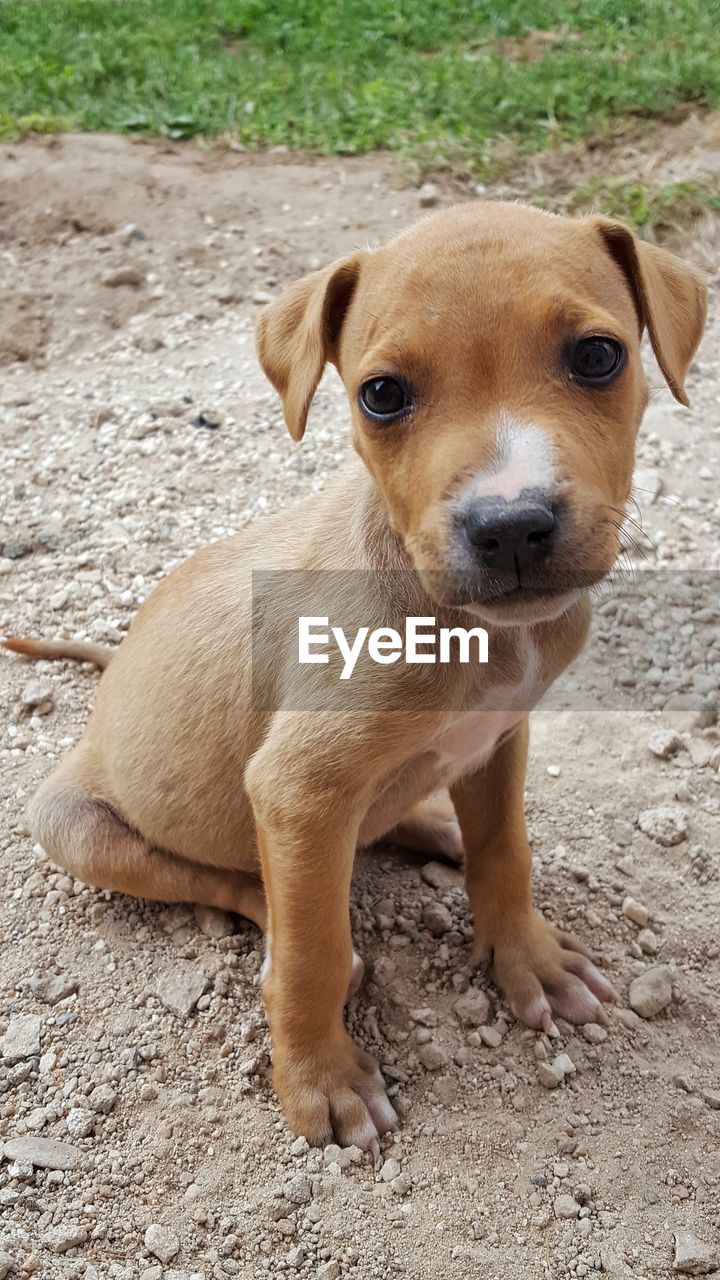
491	357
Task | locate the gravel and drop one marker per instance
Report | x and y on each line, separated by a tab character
107	485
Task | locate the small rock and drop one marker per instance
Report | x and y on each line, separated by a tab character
181	987
692	1256
441	877
80	1122
103	1099
151	1273
566	1207
401	1185
594	1033
635	911
565	1064
162	1242
37	694
664	743
68	1236
213	923
22	1038
51	988
712	1099
647	941
131	231
550	1075
300	1147
207	419
296	1256
298	1190
428	195
490	1036
383	971
390	1170
651	992
123	276
473	1008
668	824
433	1056
437	918
8	1264
45	1153
329	1271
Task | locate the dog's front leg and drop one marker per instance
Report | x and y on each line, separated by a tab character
307	828
542	971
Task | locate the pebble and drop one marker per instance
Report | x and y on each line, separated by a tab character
441	877
712	1099
490	1036
651	992
162	1242
45	1153
635	911
647	941
329	1271
103	1099
566	1207
473	1008
390	1170
694	1257
7	1264
22	1039
296	1256
181	987
123	276
37	696
437	918
668	824
664	743
428	195
52	988
80	1122
551	1074
67	1236
433	1056
594	1033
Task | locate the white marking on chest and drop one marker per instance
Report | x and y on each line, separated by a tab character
471	737
523	460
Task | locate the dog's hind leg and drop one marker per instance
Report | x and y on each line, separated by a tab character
429	827
89	839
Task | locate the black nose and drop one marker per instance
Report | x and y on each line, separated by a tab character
511	536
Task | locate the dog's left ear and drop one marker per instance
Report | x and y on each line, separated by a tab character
298	335
670	296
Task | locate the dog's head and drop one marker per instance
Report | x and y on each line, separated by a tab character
491	356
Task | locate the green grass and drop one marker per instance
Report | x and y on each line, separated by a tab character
350	75
656	211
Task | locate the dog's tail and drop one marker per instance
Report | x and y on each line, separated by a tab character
77	649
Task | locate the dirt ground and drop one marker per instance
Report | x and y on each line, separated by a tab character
130	274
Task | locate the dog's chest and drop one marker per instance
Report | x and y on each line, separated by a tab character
469	738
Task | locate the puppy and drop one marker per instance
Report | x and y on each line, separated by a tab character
491	358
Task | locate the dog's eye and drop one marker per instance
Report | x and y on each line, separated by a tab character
597	359
383	399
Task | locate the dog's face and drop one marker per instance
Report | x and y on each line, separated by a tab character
491	359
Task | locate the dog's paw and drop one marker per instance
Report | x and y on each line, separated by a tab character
545	973
336	1096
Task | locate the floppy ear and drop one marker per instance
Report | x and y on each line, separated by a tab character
670	297
299	333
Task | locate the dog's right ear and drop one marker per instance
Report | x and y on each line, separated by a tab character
298	335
